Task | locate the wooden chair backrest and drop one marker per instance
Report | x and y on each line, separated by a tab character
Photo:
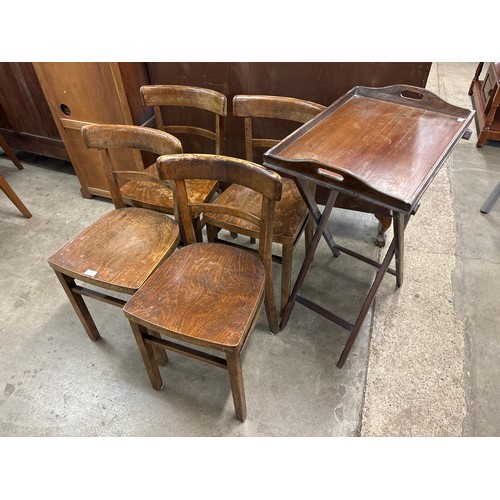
178	168
159	96
274	107
105	138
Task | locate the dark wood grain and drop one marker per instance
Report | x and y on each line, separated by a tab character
320	82
160	197
140	189
288	219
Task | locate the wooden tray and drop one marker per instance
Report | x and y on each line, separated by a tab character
384	145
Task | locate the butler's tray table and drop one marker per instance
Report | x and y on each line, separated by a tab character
383	145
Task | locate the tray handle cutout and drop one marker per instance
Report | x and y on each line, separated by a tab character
411	94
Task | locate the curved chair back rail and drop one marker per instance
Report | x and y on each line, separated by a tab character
130	136
161	96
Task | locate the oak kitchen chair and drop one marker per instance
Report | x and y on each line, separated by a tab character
168	100
120	250
208	295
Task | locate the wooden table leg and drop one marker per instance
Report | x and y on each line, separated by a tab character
368	301
399	229
309	257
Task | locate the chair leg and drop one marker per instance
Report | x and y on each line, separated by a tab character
198	226
148	357
13	158
482	138
270	304
160	354
5	187
79	306
236	380
286	275
211	233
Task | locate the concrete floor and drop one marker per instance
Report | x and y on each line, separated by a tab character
424	364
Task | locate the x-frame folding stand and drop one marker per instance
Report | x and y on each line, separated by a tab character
384	146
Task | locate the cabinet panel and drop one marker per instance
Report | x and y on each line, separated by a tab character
82	93
25	118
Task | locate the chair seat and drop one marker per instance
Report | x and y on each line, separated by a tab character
151	195
289	216
205	291
120	250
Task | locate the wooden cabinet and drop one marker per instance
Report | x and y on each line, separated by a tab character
26	122
485	94
83	93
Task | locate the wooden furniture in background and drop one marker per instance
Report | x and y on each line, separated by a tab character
84	93
167	100
121	249
291	214
25	118
485	95
384	145
208	295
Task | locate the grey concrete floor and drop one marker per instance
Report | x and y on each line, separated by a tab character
424	363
